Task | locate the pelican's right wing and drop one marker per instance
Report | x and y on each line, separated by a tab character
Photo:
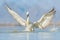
45	20
17	17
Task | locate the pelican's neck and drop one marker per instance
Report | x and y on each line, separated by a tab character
28	28
27	21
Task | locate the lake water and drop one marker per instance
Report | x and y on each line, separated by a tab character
30	36
13	33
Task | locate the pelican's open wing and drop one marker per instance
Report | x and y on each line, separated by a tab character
45	19
17	17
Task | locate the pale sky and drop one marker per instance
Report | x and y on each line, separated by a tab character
36	8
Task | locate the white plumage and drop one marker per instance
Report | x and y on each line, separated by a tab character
41	23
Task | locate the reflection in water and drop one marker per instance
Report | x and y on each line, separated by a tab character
27	35
45	36
32	36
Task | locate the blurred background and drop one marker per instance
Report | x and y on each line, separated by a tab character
36	8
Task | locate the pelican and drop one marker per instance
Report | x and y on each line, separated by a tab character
41	23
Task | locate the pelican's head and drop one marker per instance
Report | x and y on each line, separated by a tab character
27	14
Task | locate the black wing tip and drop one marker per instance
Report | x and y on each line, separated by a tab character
7	6
53	9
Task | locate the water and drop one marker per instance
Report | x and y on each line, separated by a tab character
13	33
32	36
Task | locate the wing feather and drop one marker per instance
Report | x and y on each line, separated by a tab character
17	17
45	19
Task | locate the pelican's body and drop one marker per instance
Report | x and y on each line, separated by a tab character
41	23
28	24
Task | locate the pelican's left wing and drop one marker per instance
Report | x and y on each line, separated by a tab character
17	17
45	19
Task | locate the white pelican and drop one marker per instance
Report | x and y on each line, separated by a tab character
41	23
